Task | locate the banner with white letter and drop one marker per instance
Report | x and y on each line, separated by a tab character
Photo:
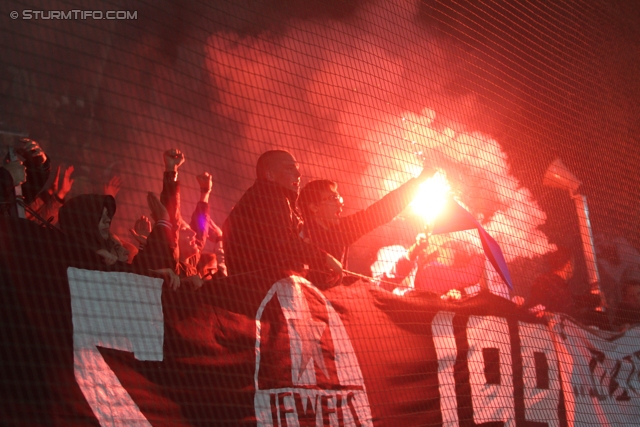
600	374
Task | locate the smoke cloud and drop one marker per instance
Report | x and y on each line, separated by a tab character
361	96
476	167
337	95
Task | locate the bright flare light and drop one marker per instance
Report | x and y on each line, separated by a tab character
432	197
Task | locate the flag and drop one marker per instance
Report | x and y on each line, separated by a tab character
94	348
458	218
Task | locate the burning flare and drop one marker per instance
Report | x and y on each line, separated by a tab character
432	197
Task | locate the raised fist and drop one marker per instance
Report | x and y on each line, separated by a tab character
205	180
420	247
173	159
428	171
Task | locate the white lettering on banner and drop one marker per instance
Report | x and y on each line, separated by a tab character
444	341
121	311
600	371
612	378
599	374
540	374
491	389
306	404
301	407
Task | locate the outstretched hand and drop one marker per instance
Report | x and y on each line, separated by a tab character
158	210
62	185
215	232
173	159
112	188
141	230
452	295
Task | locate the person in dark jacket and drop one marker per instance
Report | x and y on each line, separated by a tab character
324	227
85	221
628	312
32	175
261	236
550	291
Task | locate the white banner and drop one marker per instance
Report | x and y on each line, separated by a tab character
600	374
121	311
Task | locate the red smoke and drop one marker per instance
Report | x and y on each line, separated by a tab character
333	92
477	169
331	95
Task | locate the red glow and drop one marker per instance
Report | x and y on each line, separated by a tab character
432	197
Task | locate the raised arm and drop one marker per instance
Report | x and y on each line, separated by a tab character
200	218
355	226
160	250
37	166
170	197
48	204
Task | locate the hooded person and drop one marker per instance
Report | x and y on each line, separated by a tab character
86	221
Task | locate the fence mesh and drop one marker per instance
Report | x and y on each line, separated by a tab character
471	166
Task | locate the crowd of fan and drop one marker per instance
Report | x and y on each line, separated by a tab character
275	230
167	245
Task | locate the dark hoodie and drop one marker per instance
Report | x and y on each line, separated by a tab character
79	219
80	216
